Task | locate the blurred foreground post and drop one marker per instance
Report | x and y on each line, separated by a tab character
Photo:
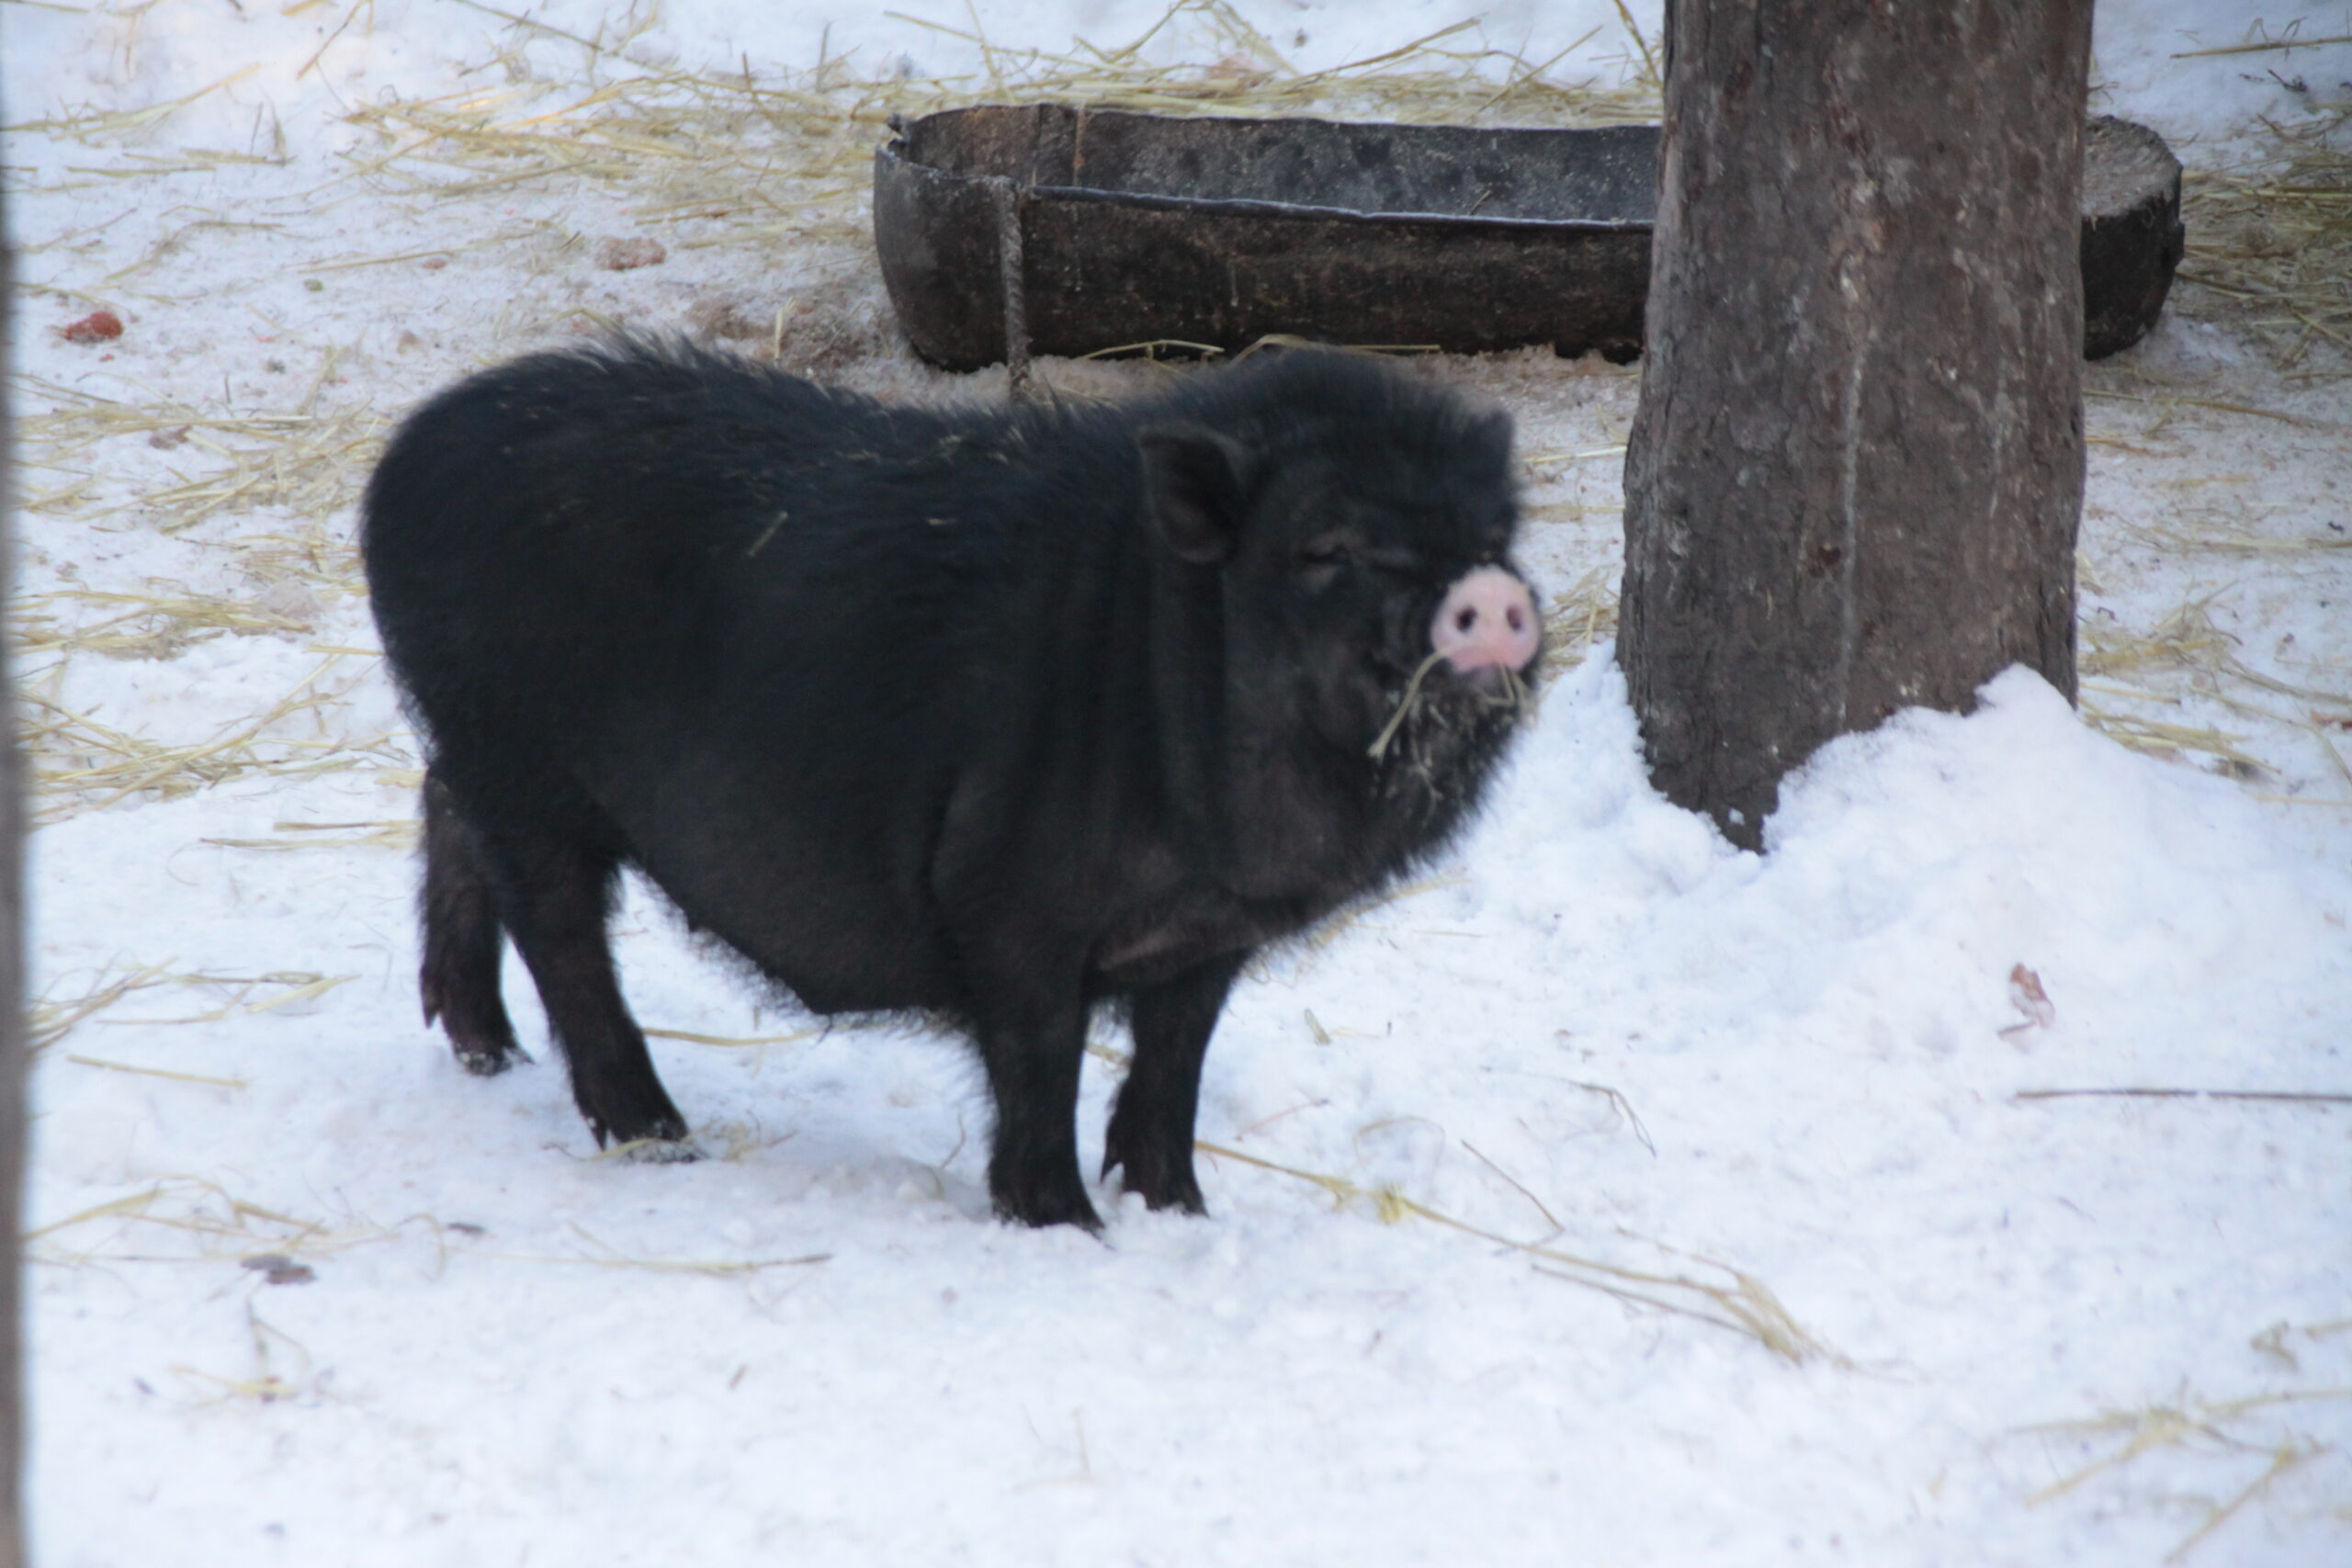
1856	472
12	964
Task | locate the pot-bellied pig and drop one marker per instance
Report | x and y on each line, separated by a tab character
1001	714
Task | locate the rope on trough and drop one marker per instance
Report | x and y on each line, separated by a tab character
1005	196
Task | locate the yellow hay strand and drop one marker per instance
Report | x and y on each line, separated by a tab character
610	1257
732	1041
1548	459
200	1206
713	1268
49	1021
299	987
2286	1457
1331	930
156	1071
117	122
1745	1306
396	833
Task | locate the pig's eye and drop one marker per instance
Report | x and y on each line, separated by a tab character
1395	563
1330	549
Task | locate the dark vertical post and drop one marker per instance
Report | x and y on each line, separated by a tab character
12	964
1856	472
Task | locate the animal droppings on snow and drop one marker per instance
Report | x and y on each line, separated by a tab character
2027	995
98	326
629	254
276	1269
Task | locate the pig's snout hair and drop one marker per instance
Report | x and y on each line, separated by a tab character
1487	620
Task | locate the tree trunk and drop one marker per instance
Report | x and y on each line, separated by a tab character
1856	472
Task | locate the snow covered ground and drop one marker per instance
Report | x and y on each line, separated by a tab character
300	1292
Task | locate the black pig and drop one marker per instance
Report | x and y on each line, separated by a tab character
999	714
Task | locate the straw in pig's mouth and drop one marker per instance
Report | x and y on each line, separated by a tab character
1510	691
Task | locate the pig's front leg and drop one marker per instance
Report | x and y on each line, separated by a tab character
1152	1129
1031	1040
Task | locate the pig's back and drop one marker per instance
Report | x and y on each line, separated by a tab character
759	627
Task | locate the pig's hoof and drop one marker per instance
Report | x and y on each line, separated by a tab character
1048	1207
1184	1198
1183	1194
488	1061
1162	1178
655	1140
656	1151
483	1052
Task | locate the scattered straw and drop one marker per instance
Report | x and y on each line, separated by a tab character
146	625
97	126
727	158
308	461
225	1227
2159	739
296	987
1574	619
2184	657
2188	1424
1745	1306
201	1208
50	1020
80	764
2270	240
2286	1457
1434	78
2173	401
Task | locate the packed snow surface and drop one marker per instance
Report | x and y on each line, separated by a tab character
1608	1196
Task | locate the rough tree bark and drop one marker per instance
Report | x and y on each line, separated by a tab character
1856	472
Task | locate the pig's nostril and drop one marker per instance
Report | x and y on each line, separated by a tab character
1464	621
1517	620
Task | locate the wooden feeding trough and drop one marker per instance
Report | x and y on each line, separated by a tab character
1074	230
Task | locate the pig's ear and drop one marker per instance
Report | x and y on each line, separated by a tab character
1192	483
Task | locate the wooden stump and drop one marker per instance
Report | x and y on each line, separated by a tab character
2132	232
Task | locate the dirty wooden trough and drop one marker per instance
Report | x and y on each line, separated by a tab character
1121	230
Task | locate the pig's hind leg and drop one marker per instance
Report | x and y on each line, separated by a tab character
1151	1138
555	896
463	941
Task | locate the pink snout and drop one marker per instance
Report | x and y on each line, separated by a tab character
1488	621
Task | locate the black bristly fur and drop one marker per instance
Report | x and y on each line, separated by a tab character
999	714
